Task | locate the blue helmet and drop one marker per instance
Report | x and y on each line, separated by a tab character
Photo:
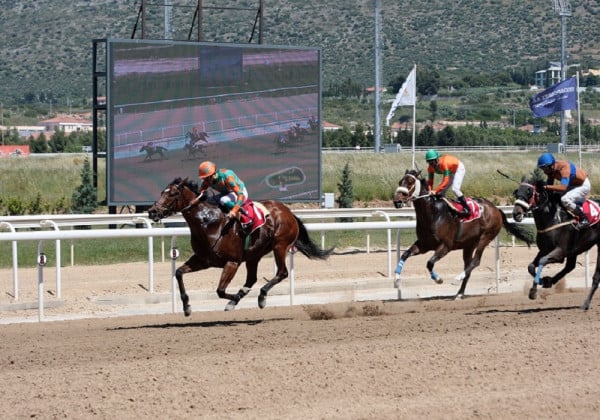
545	159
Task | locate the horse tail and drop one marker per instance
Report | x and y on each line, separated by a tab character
521	232
306	246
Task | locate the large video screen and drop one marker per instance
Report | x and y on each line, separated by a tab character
251	108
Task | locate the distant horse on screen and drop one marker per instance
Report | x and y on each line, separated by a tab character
152	150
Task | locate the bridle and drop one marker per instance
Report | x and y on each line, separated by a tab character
413	192
168	210
533	200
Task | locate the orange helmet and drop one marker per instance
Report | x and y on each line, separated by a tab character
206	169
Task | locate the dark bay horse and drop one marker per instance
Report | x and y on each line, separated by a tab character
557	235
196	143
439	228
220	242
152	150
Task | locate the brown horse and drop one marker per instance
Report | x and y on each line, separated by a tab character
218	241
152	150
441	230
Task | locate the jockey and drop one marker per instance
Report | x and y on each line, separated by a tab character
232	191
452	171
199	137
574	184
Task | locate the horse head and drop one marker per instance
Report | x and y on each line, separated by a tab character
409	188
174	198
532	195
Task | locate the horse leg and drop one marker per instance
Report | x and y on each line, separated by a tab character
556	255
532	268
279	252
471	261
413	250
439	253
469	264
595	281
569	266
251	269
191	265
227	274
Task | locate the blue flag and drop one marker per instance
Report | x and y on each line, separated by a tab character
559	97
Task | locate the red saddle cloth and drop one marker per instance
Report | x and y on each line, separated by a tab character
473	205
592	211
253	214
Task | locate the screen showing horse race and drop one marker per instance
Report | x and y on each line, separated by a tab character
251	108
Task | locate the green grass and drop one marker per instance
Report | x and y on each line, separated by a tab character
374	177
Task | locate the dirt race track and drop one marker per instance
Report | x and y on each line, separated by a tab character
487	356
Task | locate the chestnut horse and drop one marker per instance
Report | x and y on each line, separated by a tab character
557	235
440	229
218	241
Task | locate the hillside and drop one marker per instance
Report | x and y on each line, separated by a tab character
46	44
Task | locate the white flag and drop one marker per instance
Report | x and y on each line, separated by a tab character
407	95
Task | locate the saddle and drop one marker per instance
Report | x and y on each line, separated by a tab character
456	207
591	209
253	215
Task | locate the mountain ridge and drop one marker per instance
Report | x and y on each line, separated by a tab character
47	44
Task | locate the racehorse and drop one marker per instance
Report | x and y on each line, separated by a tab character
281	143
194	143
313	124
221	242
152	150
557	235
440	229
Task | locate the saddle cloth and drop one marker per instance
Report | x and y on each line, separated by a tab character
592	211
474	206
255	212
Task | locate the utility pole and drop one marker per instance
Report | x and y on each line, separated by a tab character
563	9
377	130
2	122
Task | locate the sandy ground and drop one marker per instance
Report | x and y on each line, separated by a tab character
490	355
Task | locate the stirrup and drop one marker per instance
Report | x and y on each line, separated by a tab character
583	223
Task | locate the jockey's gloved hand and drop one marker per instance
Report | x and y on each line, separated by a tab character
233	213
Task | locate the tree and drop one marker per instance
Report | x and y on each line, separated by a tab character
346	197
85	197
433	107
39	145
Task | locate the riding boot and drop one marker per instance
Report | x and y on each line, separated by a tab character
583	220
466	210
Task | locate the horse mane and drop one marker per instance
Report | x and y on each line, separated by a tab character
192	185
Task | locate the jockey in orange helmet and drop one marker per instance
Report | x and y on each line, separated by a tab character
232	191
452	171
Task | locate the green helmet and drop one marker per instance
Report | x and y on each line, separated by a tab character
431	155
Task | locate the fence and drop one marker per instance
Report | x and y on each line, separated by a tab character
151	231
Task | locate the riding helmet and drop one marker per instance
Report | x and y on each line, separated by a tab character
206	169
431	155
545	159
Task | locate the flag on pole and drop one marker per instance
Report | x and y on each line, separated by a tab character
407	95
559	97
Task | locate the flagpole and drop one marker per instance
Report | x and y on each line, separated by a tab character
414	118
578	118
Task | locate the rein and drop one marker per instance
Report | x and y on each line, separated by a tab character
556	226
527	206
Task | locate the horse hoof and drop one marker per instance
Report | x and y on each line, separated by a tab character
262	301
532	294
230	305
187	311
438	281
459	296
